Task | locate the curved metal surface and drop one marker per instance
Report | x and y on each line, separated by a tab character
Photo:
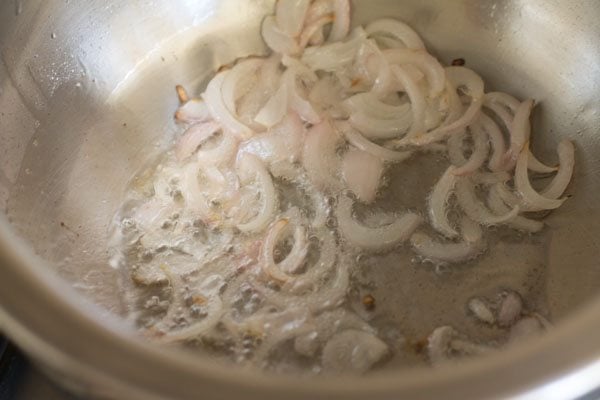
86	96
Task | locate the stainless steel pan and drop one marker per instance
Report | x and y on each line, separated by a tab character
86	97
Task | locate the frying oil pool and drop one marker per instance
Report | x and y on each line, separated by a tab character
407	297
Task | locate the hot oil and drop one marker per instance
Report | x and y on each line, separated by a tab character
398	295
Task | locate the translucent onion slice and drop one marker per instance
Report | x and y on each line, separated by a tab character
473	85
210	300
417	100
438	203
362	173
499	207
475	209
497	142
297	102
222	153
532	200
319	157
353	351
456	151
520	131
330	57
341	22
281	271
397	30
481	148
502	99
369	104
274	109
360	142
194	196
192	111
566	157
434	72
536	165
375	128
290	16
276	39
250	167
316	273
193	137
314	28
239	81
214	99
438	252
373	238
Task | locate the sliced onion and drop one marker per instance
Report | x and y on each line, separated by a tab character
318	9
438	203
194	197
369	104
353	351
251	167
520	130
432	69
294	260
566	157
481	147
532	200
214	311
297	102
502	99
290	16
362	173
192	111
239	81
373	238
496	138
317	272
330	57
397	30
341	23
222	153
417	100
456	152
218	109
193	137
460	77
475	209
499	207
536	165
374	128
274	109
276	39
319	157
360	142
434	251
313	28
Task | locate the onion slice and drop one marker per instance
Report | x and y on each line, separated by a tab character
360	142
475	209
532	200
438	203
362	173
192	111
214	100
481	147
251	167
437	252
377	238
396	29
193	137
319	156
290	16
294	260
566	157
